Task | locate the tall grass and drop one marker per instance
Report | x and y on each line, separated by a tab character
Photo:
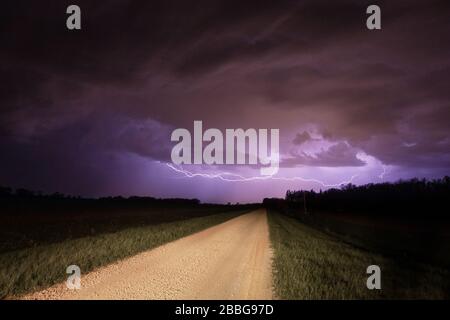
35	268
309	264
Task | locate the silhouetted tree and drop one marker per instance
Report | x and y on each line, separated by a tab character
413	197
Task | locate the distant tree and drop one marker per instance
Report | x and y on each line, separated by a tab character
24	193
57	195
412	197
5	192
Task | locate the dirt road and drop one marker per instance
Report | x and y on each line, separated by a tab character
228	261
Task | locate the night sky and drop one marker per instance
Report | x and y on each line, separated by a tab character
90	112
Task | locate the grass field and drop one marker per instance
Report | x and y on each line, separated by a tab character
425	240
309	264
37	267
34	223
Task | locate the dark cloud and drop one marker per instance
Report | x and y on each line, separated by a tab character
338	155
301	138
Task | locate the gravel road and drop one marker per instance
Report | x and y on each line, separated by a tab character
228	261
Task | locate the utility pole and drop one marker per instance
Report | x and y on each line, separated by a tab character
304	201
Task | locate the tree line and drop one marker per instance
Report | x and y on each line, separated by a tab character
415	197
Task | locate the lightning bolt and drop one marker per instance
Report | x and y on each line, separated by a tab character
232	177
381	176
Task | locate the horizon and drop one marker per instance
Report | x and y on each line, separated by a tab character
38	193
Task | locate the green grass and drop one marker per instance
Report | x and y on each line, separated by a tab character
309	264
424	240
39	224
35	268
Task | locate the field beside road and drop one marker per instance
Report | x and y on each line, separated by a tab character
424	240
310	264
37	267
40	220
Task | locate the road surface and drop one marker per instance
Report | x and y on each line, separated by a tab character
229	261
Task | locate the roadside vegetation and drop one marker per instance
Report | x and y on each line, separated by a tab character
40	266
310	264
29	219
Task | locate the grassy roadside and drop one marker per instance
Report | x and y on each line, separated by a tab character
39	267
309	264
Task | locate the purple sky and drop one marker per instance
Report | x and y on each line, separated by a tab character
90	112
